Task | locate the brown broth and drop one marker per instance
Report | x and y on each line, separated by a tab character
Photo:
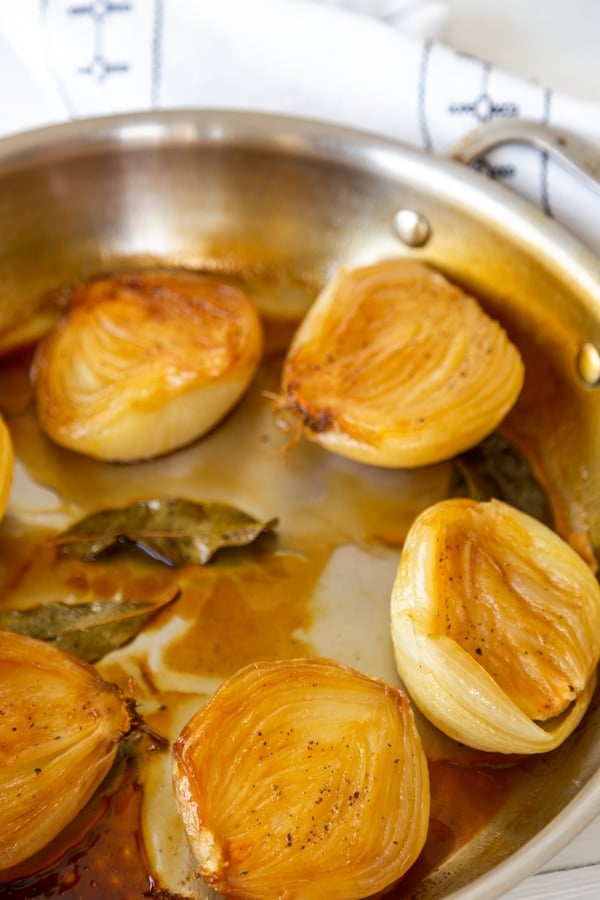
98	855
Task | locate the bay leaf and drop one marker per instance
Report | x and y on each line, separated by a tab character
87	630
495	468
173	531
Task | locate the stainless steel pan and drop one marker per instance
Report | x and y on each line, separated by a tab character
283	201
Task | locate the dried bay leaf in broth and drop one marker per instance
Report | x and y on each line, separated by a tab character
496	468
86	630
174	531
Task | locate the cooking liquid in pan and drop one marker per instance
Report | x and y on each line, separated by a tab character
320	585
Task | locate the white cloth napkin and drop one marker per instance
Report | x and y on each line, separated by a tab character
383	65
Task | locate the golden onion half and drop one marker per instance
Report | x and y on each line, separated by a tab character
302	778
393	365
141	364
60	726
496	626
6	465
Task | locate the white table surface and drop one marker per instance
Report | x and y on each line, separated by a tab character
573	874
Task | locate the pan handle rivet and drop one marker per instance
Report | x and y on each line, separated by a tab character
411	227
588	364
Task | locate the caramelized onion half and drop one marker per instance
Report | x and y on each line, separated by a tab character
496	626
141	364
60	726
302	778
6	465
393	365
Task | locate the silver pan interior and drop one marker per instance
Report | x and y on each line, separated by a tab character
289	200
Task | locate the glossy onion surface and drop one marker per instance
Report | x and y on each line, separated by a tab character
141	364
60	727
395	366
6	465
496	626
302	779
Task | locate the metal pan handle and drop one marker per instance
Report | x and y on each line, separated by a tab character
573	152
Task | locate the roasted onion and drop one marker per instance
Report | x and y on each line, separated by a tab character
6	465
393	365
141	364
60	726
302	778
496	626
